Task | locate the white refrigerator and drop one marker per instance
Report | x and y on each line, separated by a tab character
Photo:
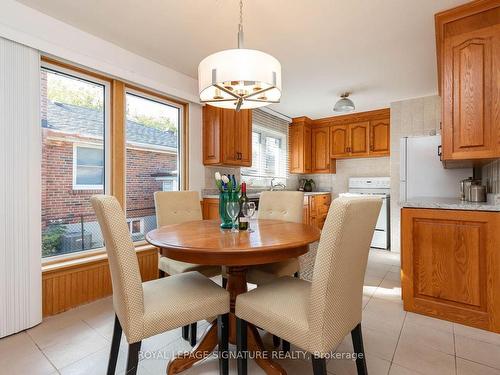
422	173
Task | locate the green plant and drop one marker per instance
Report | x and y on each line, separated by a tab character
51	239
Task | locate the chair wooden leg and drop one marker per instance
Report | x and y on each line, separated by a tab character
115	347
223	333
286	346
357	343
241	346
133	358
193	333
319	365
162	274
224	282
296	275
276	341
185	332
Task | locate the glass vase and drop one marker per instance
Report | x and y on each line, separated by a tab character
225	220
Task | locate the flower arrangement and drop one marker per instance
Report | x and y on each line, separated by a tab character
226	183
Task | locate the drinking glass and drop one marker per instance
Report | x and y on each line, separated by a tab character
233	209
248	209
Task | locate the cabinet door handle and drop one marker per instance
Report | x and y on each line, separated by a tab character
440	152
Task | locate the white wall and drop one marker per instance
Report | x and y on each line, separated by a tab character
53	37
412	117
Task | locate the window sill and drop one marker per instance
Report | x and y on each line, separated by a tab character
94	256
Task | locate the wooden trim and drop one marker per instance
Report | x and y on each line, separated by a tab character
75	68
377	114
118	142
64	288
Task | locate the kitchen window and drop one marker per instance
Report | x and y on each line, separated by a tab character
269	157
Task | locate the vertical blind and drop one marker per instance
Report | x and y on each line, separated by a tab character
269	149
20	160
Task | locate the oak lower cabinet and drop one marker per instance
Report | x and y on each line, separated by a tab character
451	265
318	209
468	43
210	208
227	137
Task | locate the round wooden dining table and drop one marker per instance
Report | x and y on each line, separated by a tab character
203	242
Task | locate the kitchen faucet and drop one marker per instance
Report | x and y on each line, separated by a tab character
279	185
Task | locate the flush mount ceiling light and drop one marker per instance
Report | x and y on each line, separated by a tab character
239	78
344	104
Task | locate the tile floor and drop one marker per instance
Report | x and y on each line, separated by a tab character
396	342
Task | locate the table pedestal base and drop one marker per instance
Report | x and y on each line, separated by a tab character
236	284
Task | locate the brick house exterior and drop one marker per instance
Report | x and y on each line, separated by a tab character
150	154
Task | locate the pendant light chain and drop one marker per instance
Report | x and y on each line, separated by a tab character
240	27
241	13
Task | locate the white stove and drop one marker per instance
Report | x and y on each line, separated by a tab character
375	186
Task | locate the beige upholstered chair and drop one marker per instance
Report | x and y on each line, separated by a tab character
316	316
278	205
174	207
147	309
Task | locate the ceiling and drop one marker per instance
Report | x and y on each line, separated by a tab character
380	50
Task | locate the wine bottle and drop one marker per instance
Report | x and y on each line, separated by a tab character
242	220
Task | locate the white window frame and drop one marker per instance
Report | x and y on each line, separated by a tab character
180	130
129	224
77	186
106	143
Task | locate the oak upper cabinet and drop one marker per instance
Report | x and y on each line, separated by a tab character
469	65
320	145
451	265
379	137
299	149
227	137
339	141
355	140
359	139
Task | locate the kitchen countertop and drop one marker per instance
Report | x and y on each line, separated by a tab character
256	195
450	204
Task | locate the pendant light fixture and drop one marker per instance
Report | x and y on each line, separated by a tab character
344	104
239	78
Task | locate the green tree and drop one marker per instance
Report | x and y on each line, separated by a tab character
63	90
160	123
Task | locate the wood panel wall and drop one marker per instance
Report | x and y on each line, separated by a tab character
64	288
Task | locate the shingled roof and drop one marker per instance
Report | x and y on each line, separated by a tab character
74	119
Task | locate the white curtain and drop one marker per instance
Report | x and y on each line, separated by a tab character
20	188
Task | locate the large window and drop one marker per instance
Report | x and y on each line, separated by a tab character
94	144
269	157
74	125
152	156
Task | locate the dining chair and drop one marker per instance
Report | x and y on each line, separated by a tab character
146	309
278	205
285	206
316	316
176	207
